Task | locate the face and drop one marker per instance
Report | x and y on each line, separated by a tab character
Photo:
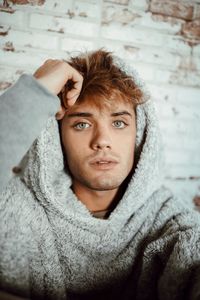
99	144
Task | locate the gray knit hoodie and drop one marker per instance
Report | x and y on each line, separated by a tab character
51	247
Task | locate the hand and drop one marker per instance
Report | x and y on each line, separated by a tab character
54	74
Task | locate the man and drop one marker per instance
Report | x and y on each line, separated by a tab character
86	216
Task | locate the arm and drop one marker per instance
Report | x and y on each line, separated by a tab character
170	255
25	108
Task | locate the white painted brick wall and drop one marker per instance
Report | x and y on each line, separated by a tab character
153	43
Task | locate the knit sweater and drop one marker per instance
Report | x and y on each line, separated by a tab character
51	247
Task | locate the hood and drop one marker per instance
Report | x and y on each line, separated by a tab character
44	173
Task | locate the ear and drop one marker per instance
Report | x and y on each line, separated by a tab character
60	114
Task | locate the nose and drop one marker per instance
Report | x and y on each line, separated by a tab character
101	139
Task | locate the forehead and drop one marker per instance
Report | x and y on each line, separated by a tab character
101	106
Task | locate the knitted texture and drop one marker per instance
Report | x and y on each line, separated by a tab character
51	247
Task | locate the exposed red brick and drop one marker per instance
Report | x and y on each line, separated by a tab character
4	85
167	19
197	12
191	30
196	200
176	9
7	9
22	2
9	46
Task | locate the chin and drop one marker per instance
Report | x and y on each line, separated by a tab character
103	185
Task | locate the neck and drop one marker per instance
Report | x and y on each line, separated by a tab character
95	200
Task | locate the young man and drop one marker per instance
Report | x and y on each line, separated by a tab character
86	216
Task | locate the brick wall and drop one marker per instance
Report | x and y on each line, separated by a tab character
160	38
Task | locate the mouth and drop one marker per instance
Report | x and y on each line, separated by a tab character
104	163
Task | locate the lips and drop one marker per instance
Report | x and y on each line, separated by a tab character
104	163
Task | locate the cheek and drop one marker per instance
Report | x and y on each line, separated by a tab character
74	149
127	151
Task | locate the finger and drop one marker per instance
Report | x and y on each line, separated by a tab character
72	100
77	78
60	114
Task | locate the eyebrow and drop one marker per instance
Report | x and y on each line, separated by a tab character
121	113
87	114
79	114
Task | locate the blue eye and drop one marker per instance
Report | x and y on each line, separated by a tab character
119	124
81	126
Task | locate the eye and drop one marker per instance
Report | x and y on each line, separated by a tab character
119	124
81	126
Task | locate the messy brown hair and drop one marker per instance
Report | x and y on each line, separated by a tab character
103	80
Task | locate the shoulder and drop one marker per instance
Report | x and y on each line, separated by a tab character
173	222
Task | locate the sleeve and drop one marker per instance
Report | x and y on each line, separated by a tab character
180	277
24	110
170	267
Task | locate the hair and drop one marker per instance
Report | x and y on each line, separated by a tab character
103	81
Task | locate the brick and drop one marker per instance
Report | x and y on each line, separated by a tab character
23	59
165	23
61	6
141	4
191	30
122	2
131	34
158	56
145	71
113	13
196	50
176	127
6	9
190	63
4	29
152	55
181	142
23	2
196	11
176	95
16	19
8	75
30	39
177	9
68	44
8	46
64	25
176	44
162	75
196	62
88	9
180	111
186	78
183	170
185	95
181	156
